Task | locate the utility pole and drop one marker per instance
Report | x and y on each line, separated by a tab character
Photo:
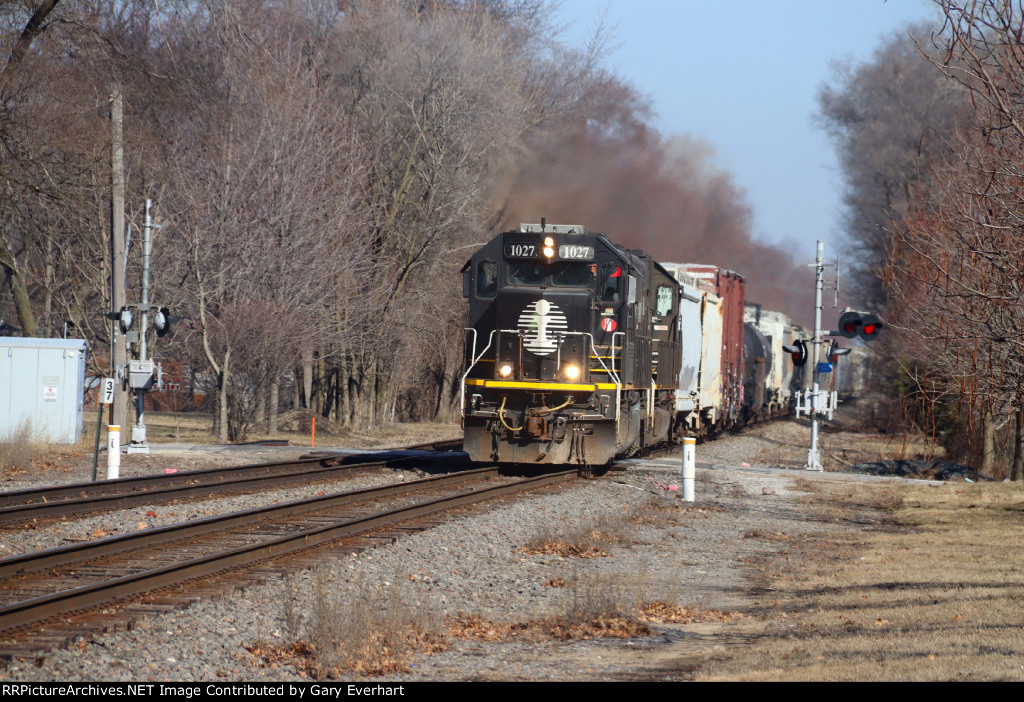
118	347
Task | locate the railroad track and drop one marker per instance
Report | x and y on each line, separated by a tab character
50	597
77	498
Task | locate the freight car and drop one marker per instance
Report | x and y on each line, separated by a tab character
579	350
712	305
773	380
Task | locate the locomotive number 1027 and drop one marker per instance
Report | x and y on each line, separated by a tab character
522	251
566	252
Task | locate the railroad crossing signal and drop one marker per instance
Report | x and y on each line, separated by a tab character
835	351
162	320
798	351
870	325
863	324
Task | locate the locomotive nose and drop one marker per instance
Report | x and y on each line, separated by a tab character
551	329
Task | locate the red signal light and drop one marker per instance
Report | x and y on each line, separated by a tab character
862	324
798	351
870	326
849	324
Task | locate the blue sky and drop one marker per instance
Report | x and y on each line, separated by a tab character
744	76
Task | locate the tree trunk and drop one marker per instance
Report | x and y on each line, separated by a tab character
48	288
988	444
275	389
322	386
19	291
449	390
1017	472
222	399
330	392
345	410
307	378
261	406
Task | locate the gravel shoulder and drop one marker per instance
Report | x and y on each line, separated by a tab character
707	556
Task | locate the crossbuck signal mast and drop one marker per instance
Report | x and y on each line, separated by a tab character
816	402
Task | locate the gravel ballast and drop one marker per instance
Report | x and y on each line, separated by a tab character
658	548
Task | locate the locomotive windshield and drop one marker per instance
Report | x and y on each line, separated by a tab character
562	274
527	274
573	274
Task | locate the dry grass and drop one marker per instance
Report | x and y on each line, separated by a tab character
179	428
940	597
367	631
567	547
601	607
195	428
580	541
476	628
786	443
364	629
17	449
21	453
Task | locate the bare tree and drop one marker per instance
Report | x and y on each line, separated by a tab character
32	19
260	210
958	266
437	97
888	117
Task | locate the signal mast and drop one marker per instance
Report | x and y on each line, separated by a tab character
816	402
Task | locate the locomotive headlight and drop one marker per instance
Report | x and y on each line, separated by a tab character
572	372
505	370
549	252
549	241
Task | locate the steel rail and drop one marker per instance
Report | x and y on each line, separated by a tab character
113	545
46	606
58	500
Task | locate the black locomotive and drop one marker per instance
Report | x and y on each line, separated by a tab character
572	350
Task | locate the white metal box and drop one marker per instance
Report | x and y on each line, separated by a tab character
42	387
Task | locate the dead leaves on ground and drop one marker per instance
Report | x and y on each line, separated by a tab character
660	612
383	656
558	547
476	628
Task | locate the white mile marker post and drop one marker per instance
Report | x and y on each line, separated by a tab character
689	466
113	452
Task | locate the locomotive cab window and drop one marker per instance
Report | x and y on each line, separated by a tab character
610	279
486	279
665	303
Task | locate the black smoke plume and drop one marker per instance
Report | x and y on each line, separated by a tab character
664	196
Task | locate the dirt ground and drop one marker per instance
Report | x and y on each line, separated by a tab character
926	584
931	588
184	442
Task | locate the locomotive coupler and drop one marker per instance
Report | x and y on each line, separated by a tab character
536	427
558	432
